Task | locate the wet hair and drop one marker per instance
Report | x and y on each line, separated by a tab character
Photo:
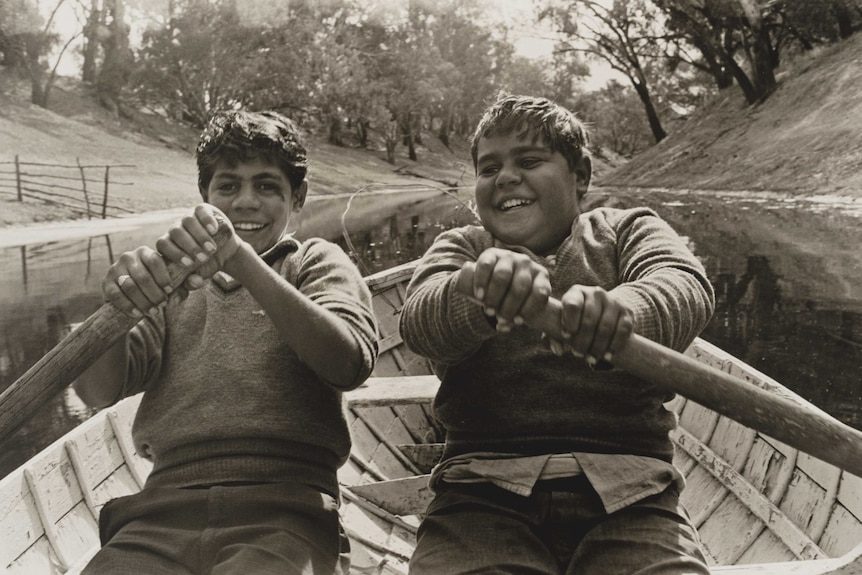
239	136
561	129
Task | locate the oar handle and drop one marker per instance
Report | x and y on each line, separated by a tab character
76	352
798	424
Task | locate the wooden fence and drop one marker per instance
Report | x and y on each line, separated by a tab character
83	188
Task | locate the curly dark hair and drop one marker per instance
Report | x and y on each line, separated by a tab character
561	129
237	136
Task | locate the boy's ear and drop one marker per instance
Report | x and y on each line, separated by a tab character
299	196
584	171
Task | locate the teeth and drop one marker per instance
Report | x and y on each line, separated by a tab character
515	203
247	226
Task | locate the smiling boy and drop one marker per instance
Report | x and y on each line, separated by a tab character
242	413
554	462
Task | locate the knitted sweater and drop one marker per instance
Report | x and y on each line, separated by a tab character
226	400
507	393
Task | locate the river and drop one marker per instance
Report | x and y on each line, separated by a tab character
787	272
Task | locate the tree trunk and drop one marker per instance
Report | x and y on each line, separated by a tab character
113	75
91	43
761	51
844	18
652	116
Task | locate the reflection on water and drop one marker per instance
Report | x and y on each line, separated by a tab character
787	277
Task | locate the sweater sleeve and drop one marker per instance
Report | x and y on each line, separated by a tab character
664	283
144	348
328	277
438	322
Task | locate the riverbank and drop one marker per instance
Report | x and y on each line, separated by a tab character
805	140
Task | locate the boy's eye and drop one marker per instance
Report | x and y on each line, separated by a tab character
227	187
269	188
531	162
488	170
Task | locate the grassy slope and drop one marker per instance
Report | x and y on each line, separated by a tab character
806	138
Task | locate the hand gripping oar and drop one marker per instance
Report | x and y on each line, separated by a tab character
74	354
799	425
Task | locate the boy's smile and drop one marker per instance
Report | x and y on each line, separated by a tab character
525	194
257	198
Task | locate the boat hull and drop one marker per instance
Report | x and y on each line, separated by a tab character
759	505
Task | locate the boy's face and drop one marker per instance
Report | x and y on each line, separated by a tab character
526	195
257	198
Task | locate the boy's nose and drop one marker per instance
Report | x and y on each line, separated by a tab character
246	198
507	175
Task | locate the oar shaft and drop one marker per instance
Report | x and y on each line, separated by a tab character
73	355
797	424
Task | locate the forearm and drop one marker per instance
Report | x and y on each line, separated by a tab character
437	321
664	283
669	307
102	383
319	337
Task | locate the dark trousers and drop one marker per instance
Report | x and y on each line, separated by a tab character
278	528
562	529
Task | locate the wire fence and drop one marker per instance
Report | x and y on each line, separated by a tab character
83	188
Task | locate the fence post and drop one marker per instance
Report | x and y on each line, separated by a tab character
105	196
84	187
18	179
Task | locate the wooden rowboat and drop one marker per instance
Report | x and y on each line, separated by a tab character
760	505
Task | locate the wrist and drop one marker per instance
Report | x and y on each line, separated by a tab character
239	260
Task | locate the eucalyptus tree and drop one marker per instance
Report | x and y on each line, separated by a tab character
626	34
215	54
28	42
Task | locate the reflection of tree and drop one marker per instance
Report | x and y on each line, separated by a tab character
401	238
810	346
745	306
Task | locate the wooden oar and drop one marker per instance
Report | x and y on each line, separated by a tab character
799	425
74	354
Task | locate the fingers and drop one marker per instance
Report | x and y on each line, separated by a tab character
187	242
511	286
594	323
191	242
138	283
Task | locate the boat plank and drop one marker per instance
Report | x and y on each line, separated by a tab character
767	548
773	517
727	545
698	420
842	533
769	470
850	494
732	442
417	423
404	496
38	558
402	390
702	495
804	498
20	525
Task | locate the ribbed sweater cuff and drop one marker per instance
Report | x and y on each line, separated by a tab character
466	316
254	460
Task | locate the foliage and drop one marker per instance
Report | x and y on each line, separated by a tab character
27	41
389	73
